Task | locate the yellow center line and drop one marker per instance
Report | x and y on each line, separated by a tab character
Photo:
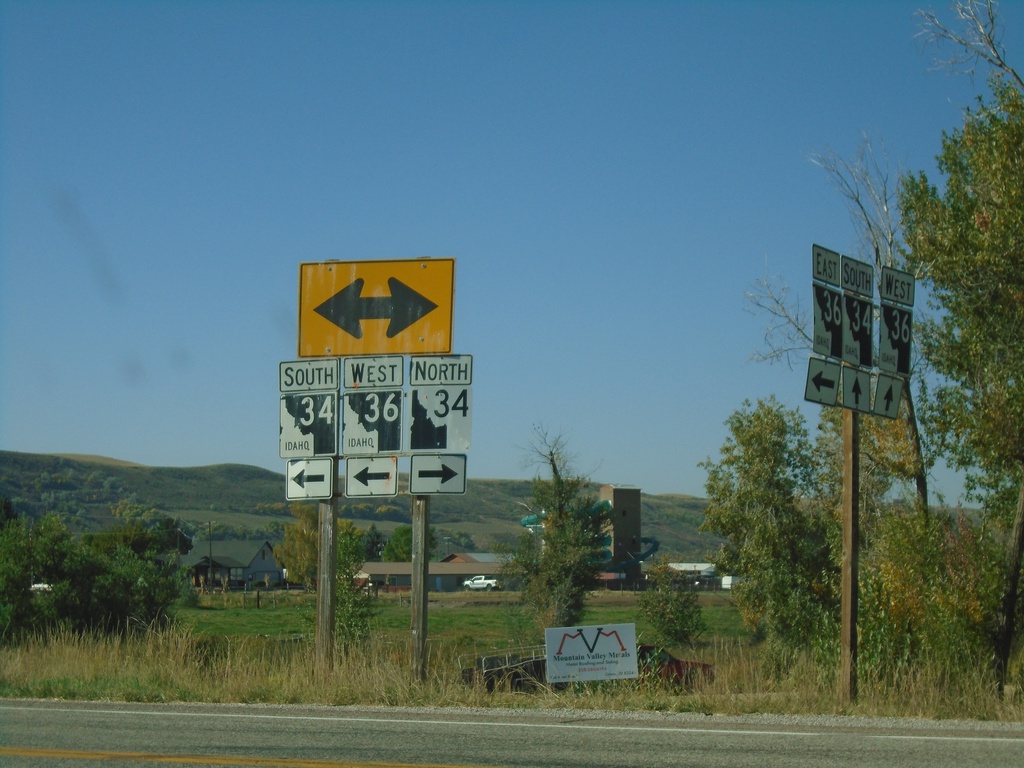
148	757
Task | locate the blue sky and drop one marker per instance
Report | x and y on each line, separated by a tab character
611	178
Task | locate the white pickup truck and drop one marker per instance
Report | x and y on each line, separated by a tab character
481	582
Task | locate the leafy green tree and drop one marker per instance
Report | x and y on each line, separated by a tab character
373	543
87	588
557	568
298	550
777	541
16	577
399	546
133	536
130	511
670	608
169	535
926	593
966	241
7	513
461	541
354	606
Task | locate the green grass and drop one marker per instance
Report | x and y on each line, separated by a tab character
280	614
483	621
228	650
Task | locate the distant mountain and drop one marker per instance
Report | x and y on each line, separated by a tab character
239	500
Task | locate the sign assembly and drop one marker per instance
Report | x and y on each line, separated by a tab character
436	474
373	372
348	397
309	479
844	313
440	403
887	396
858	322
371	476
828	321
304	375
371	422
823	381
308	424
376	307
894	340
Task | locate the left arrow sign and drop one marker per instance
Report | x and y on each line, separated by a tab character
371	476
823	377
309	479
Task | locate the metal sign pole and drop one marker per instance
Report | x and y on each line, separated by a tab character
420	572
851	525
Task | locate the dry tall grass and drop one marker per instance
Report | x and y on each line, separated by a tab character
175	665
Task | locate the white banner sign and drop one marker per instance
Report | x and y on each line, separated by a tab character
591	653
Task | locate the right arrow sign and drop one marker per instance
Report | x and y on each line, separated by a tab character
435	474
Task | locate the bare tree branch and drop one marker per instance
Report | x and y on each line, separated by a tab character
787	334
871	197
979	41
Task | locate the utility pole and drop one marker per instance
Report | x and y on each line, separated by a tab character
326	572
420	573
209	565
851	555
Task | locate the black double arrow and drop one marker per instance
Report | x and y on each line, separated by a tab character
348	308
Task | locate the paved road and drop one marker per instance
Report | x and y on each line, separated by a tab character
48	734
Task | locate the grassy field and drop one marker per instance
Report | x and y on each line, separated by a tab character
228	650
490	620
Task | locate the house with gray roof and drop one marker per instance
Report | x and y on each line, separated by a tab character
243	563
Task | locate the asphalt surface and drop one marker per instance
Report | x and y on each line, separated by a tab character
59	734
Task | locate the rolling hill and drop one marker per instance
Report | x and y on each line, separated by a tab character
234	500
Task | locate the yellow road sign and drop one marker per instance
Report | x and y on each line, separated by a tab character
376	307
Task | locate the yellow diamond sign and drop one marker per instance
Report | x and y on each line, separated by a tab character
349	308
